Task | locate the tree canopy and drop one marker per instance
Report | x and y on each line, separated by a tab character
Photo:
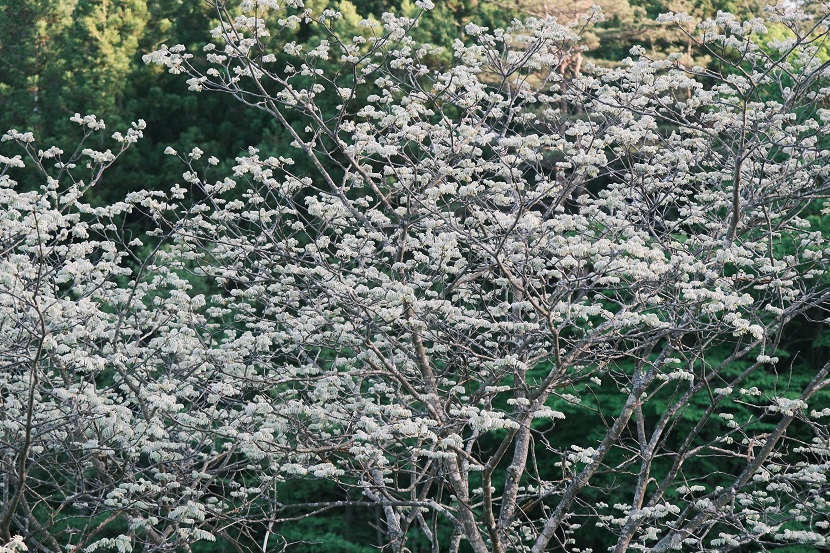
481	299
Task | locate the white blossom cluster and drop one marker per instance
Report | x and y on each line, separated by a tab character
482	252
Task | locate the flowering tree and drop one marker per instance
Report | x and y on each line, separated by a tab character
482	257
